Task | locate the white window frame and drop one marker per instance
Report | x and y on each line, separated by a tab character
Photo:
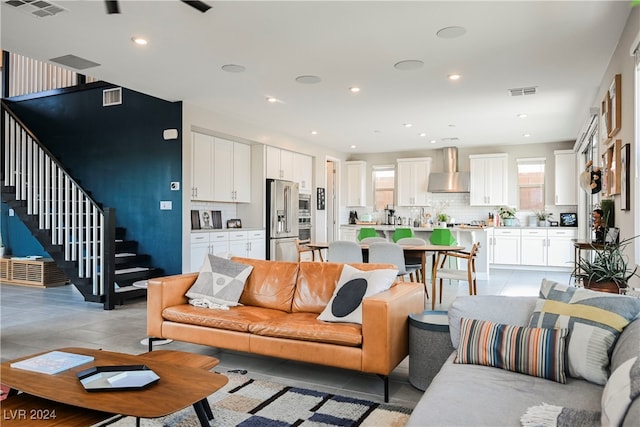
532	161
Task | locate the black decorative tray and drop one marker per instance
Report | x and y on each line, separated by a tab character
115	378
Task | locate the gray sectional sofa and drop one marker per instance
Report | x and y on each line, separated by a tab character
476	395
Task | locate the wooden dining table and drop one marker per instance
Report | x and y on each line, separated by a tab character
410	251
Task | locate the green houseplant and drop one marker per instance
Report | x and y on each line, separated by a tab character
542	217
605	267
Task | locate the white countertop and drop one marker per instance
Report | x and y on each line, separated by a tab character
213	230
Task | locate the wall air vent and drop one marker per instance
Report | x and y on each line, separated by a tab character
532	90
112	97
38	8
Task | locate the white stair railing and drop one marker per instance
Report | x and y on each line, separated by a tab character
74	219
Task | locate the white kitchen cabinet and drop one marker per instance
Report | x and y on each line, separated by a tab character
560	246
413	181
279	163
356	172
232	171
488	179
533	246
203	243
201	171
303	172
566	182
247	244
349	233
506	248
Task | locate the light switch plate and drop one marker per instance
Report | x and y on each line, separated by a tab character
166	205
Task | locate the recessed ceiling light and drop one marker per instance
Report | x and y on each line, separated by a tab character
454	77
407	125
309	80
353	146
272	99
409	64
522	116
433	141
233	68
354	89
422	134
451	32
526	135
314	132
139	40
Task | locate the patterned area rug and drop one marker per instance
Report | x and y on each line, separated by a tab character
256	403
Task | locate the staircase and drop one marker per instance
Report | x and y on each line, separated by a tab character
77	232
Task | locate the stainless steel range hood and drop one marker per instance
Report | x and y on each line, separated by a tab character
450	180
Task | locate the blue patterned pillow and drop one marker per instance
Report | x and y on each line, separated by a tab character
532	351
594	319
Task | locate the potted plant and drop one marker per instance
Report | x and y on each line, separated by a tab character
442	219
508	215
605	267
543	217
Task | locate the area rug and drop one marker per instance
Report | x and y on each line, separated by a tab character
251	402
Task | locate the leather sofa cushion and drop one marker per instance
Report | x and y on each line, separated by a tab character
306	327
237	318
270	284
317	281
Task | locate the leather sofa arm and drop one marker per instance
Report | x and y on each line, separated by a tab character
385	326
163	292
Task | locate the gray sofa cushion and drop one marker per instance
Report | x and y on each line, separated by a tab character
513	311
472	395
627	345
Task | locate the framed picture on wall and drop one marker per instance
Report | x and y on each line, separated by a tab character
625	178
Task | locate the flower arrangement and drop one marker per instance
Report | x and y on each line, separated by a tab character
506	212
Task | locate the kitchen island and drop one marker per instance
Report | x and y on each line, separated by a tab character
465	235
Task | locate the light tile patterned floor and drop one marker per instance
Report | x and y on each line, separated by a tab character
34	319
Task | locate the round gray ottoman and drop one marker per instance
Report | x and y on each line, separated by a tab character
429	346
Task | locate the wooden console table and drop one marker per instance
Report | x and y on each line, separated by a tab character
41	272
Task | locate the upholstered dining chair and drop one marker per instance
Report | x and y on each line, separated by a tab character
401	233
388	253
467	274
344	251
370	240
367	232
414	263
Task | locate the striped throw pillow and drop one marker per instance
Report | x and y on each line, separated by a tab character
594	319
537	352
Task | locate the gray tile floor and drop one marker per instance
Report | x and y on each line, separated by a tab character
35	319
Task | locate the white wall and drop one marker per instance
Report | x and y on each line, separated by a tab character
623	63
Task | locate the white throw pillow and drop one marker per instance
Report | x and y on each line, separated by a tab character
618	393
220	282
353	286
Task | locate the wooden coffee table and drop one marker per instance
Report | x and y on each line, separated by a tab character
179	386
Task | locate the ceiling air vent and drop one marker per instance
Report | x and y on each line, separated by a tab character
532	90
37	8
112	97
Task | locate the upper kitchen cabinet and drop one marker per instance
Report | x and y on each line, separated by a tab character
413	181
566	178
488	184
231	172
356	182
201	170
221	170
302	172
279	164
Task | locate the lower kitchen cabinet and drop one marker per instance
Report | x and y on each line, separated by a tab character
211	243
247	244
506	246
349	233
533	246
560	248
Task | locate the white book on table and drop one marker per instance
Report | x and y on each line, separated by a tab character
52	362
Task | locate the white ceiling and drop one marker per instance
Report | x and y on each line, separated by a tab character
560	47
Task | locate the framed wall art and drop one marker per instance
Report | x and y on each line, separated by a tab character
625	178
615	105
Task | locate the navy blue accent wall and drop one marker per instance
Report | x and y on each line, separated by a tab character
119	156
17	238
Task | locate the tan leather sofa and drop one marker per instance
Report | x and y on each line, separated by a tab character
278	317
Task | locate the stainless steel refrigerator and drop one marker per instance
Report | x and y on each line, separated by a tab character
282	220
